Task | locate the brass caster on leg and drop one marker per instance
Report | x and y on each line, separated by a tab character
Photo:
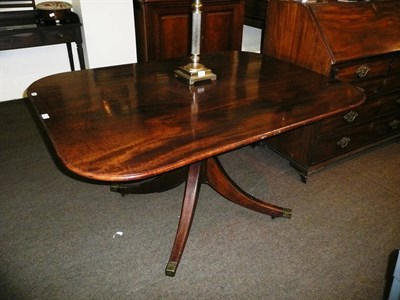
286	213
170	269
303	177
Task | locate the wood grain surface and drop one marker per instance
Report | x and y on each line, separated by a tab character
131	122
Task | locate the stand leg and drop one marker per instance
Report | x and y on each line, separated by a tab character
80	56
70	57
188	208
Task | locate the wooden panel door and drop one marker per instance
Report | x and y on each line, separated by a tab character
163	28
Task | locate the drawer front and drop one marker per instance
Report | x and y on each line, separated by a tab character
392	82
340	142
387	104
370	75
39	38
20	40
372	86
372	108
58	36
362	70
395	65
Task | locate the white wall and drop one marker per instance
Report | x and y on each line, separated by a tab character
251	39
109	39
109	31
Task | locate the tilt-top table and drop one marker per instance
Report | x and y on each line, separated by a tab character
136	122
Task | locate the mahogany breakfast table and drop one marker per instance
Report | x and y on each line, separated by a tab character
138	122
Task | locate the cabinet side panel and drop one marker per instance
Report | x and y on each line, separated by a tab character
292	35
168	30
295	145
217	24
174	36
140	29
222	27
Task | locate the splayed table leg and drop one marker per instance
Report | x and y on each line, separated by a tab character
211	172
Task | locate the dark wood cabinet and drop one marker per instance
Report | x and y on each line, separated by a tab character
356	42
254	13
163	27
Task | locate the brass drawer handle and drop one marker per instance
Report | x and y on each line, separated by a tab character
60	34
394	124
360	88
350	116
344	141
362	71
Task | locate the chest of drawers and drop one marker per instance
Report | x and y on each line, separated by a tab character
356	42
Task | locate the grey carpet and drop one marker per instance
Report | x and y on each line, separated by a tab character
57	232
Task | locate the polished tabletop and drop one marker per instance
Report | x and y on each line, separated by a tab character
134	121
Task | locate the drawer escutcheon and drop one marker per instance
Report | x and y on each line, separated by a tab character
350	116
343	142
394	124
362	71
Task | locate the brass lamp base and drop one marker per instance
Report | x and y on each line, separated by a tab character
195	72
